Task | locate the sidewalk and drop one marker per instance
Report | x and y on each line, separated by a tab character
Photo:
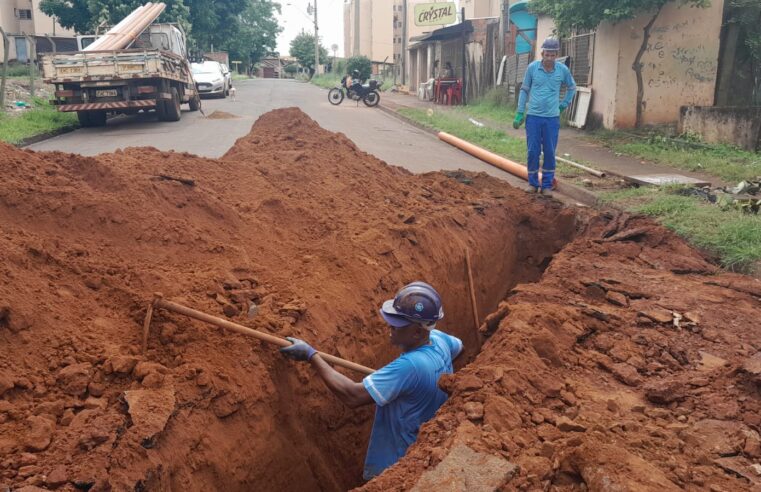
573	142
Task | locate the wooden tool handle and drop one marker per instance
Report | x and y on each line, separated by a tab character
244	330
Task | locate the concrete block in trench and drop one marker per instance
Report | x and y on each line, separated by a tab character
465	469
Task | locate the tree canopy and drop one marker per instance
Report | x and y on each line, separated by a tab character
588	14
360	63
247	29
302	48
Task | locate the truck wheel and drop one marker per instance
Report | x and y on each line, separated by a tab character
171	109
84	118
195	103
97	118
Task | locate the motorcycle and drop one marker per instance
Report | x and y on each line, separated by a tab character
367	93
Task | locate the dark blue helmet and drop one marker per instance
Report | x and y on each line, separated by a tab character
417	302
551	44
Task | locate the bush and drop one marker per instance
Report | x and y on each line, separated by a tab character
16	70
497	96
360	63
339	67
291	69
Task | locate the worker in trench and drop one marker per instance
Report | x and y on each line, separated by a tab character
541	86
405	391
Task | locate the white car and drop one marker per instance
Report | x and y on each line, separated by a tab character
210	79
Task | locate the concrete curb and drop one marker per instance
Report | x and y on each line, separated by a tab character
565	188
45	136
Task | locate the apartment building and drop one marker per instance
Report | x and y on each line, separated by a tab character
368	29
19	17
481	9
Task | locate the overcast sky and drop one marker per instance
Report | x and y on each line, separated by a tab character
294	18
330	20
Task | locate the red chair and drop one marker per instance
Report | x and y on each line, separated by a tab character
454	93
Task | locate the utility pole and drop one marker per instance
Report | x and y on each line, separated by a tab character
313	10
404	42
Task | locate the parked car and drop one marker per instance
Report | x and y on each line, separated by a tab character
210	79
228	77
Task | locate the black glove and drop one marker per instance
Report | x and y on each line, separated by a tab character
300	350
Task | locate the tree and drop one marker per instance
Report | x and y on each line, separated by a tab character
255	33
302	48
588	14
361	63
246	28
86	15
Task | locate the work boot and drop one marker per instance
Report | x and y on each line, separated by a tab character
546	192
532	189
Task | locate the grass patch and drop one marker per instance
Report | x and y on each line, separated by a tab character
458	125
492	139
16	70
495	106
728	163
241	76
14	129
327	81
733	236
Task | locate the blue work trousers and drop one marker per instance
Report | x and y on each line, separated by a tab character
542	137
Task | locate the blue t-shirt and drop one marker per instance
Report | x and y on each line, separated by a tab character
543	89
407	396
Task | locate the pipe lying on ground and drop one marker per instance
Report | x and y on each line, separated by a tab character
159	302
594	172
489	157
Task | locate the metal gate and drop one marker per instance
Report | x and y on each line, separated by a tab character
580	47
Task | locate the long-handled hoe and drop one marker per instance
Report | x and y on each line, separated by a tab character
160	303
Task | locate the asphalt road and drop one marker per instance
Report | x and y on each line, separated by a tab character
371	129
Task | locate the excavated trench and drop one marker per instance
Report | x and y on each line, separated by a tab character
316	443
295	232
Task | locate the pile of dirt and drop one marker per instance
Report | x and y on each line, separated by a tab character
615	356
222	115
634	364
295	232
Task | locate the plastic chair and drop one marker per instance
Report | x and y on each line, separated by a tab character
454	93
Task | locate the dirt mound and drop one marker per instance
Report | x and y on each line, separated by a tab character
294	232
222	115
625	361
631	365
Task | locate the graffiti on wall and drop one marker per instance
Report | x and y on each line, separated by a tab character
677	56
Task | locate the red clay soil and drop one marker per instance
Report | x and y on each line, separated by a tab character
294	232
633	364
629	363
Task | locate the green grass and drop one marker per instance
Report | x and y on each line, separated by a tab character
492	139
16	70
241	76
43	118
733	236
728	163
327	81
458	125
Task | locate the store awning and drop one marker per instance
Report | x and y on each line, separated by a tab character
445	33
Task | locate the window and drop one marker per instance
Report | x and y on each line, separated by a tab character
24	14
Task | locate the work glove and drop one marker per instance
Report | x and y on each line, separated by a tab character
562	107
518	120
300	350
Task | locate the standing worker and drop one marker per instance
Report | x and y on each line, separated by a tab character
541	85
405	391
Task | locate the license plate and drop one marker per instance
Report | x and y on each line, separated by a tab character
106	93
130	67
70	70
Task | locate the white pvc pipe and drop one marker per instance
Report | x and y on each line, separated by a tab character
102	42
135	31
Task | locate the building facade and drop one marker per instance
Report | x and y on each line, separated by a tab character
679	66
19	17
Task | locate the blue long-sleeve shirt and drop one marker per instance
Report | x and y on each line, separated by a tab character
542	89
